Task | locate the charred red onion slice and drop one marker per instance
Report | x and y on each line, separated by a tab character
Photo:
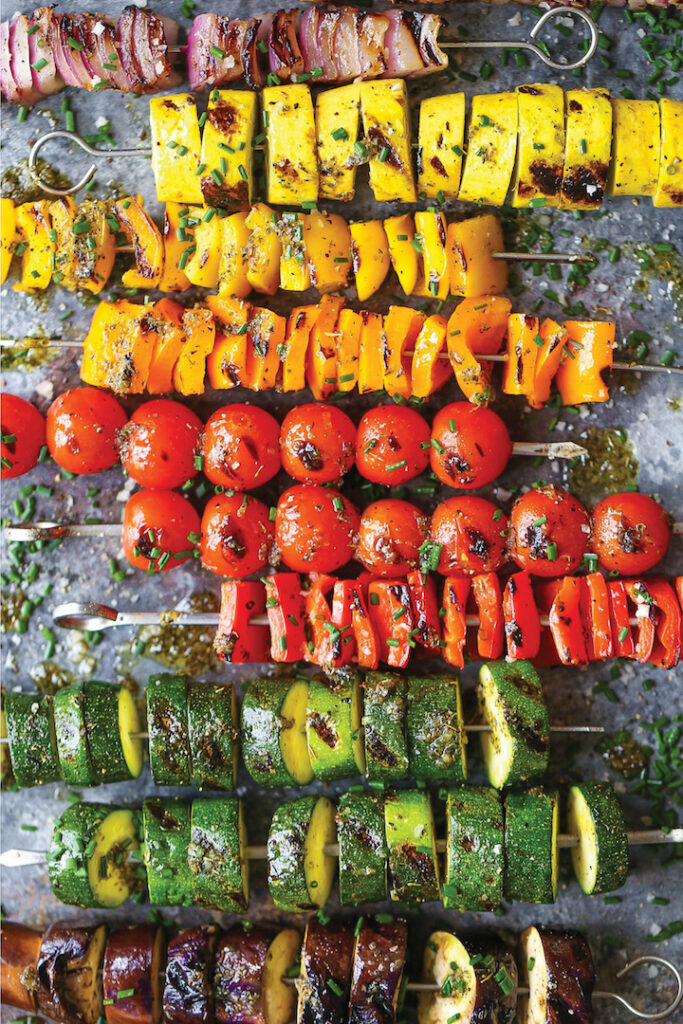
83	25
250	54
327	26
372	29
103	36
151	49
432	55
199	59
346	46
45	77
9	87
74	48
126	50
308	39
210	36
231	36
20	60
284	53
402	44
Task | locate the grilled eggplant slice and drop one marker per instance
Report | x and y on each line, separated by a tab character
446	963
70	972
250	966
558	969
134	963
188	991
326	973
378	961
19	953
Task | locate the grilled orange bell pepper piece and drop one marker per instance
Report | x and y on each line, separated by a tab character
301	322
370	252
227	361
639	593
401	328
349	330
328	247
265	348
469	247
477	327
588	355
166	320
371	356
430	227
548	358
391	614
85	248
116	354
321	359
34	245
429	370
190	370
148	245
522	351
8	231
179	221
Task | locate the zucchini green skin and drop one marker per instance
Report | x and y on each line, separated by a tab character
167	834
169	739
362	849
286	854
214	855
72	743
386	748
434	724
261	725
475	861
101	710
329	730
213	735
530	853
67	859
413	864
611	835
32	741
517	692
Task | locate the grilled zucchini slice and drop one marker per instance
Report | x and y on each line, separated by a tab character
227	180
170	756
540	149
386	127
291	154
72	745
5	761
669	190
411	842
337	119
587	150
475	861
293	736
273	720
300	874
594	814
333	727
216	855
636	147
435	728
491	149
362	848
176	147
441	145
512	704
531	853
32	742
166	825
213	732
386	746
116	754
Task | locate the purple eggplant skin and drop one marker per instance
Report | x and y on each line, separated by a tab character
70	972
378	962
326	968
188	988
492	1004
238	976
571	976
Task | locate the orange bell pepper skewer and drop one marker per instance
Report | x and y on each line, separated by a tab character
301	322
391	615
349	330
477	326
429	371
169	338
265	348
286	616
553	337
566	623
588	355
227	362
116	353
402	325
595	606
148	245
190	370
522	351
321	358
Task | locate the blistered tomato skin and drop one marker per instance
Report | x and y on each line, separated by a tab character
22	435
157	527
392	444
472	533
237	535
82	427
317	443
549	532
470	445
159	443
390	536
316	528
241	447
631	533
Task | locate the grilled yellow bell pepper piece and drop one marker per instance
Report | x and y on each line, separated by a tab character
370	252
430	228
116	354
404	251
669	190
295	274
470	245
337	118
402	325
371	354
386	126
227	178
441	145
263	249
145	237
321	358
179	225
477	328
8	230
587	150
349	329
176	146
635	148
291	154
301	322
491	149
189	371
202	267
35	246
232	265
227	361
540	149
85	248
328	246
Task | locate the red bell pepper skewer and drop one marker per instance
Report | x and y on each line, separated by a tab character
489	600
595	608
286	616
349	609
391	614
237	641
619	613
522	621
425	610
566	623
456	591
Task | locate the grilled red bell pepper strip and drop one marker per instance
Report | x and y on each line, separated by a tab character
323	644
489	600
595	607
349	609
286	616
545	592
667	645
391	614
521	618
622	635
639	594
237	641
566	623
456	591
427	630
678	587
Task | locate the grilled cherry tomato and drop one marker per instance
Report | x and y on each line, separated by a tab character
631	533
392	444
315	528
390	537
159	442
470	445
237	535
82	425
317	443
472	533
159	526
549	531
22	435
241	447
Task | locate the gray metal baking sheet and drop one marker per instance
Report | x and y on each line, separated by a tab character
649	410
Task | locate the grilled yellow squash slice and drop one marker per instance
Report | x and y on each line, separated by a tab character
587	150
227	178
669	190
440	145
491	148
635	148
540	146
291	153
337	118
386	126
176	147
